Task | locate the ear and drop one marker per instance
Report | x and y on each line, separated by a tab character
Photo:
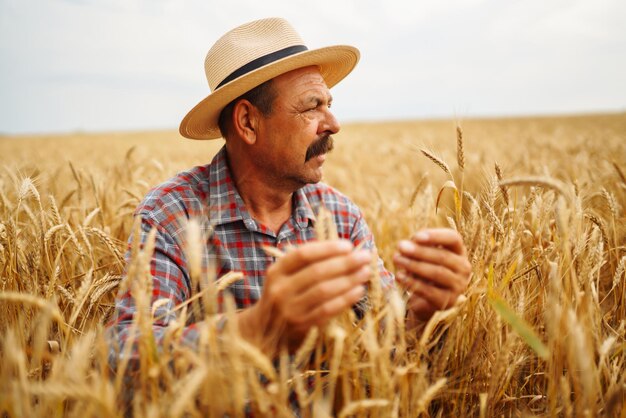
245	121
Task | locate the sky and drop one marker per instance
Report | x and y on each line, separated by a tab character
103	65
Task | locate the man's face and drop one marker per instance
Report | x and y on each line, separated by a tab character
294	140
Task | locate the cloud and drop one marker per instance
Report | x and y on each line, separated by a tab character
121	64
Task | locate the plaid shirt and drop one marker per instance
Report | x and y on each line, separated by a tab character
234	242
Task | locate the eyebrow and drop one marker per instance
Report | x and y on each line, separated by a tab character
317	99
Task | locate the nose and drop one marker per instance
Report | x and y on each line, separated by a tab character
330	123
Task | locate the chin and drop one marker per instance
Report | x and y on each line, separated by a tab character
317	177
312	178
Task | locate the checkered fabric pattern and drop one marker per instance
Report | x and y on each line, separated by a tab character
233	239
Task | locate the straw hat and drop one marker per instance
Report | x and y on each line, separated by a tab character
251	54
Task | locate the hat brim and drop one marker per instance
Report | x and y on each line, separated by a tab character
334	62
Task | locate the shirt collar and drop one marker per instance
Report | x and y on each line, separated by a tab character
302	210
226	205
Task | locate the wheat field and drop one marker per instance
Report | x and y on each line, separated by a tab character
541	330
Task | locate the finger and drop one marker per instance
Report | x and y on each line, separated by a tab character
439	275
445	237
417	304
420	307
311	252
434	255
439	298
331	268
330	309
327	290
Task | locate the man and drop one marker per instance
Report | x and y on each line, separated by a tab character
270	101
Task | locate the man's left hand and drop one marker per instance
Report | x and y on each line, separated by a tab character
434	268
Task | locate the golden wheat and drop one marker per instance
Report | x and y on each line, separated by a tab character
540	331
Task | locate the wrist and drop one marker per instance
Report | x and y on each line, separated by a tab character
251	328
245	324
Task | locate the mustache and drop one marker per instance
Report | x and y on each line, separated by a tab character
323	145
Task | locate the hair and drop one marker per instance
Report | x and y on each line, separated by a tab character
262	97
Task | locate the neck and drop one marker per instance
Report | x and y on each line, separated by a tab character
267	202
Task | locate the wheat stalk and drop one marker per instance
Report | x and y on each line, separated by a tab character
546	182
460	155
438	161
363	405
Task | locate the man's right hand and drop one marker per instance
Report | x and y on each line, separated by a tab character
307	287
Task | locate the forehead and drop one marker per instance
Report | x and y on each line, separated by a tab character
300	81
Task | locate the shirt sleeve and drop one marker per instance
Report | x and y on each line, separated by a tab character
361	235
170	282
